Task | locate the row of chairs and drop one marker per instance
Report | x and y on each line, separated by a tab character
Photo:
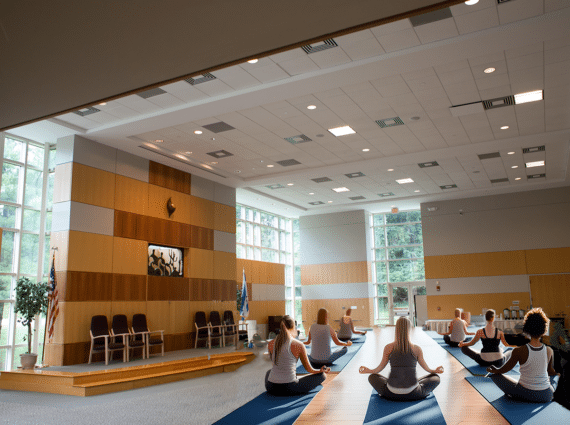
121	337
214	328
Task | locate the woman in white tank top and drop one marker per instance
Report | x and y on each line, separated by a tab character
538	379
285	350
320	335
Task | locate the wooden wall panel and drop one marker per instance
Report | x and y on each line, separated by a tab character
128	308
90	252
158	198
169	177
480	264
224	265
552	293
260	310
473	303
178	288
130	256
93	186
199	263
554	260
202	213
131	195
350	272
62	183
128	287
180	316
76	320
158	288
130	225
61	241
158	316
87	286
224	218
202	238
336	311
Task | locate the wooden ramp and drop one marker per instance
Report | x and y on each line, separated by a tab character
128	378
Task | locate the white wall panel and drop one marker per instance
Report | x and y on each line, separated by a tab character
335	291
478	285
224	241
265	292
132	166
202	188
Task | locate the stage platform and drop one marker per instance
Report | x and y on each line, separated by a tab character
121	379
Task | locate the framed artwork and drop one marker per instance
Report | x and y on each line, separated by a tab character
165	261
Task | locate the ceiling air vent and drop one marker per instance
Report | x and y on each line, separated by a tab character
319	46
288	162
535	149
86	111
316	203
449	186
503	180
356	198
384	195
428	164
199	79
353	175
390	122
536	176
220	154
498	102
503	1
489	155
321	180
275	186
151	93
428	18
301	138
218	127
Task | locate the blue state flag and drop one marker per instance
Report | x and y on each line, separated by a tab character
244	310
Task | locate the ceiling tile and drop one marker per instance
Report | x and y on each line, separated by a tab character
435	31
399	40
330	57
392	27
477	21
299	65
184	91
236	77
518	10
214	88
363	49
268	73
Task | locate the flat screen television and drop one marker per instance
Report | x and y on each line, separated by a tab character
165	261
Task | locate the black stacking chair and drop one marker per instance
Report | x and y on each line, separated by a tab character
230	328
140	332
100	339
229	321
216	328
121	334
202	328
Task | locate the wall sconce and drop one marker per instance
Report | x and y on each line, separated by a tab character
438	287
170	207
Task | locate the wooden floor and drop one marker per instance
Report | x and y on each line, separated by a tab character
345	396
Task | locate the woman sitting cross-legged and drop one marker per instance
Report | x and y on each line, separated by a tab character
402	383
284	350
491	337
538	379
457	331
320	335
347	327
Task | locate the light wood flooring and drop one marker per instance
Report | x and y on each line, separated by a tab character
345	396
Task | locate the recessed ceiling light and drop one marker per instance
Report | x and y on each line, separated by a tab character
510	153
289	184
311	107
270	166
366	150
198	132
504	127
342	131
531	96
535	164
158	141
515	166
311	193
489	70
416	191
404	181
330	202
341	189
103	103
518	178
253	61
188	153
390	169
213	163
471	2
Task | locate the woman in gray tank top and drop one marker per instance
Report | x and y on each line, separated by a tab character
347	327
320	337
402	383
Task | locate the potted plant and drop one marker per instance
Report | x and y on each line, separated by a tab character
31	300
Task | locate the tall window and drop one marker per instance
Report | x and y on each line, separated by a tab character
398	263
26	192
263	236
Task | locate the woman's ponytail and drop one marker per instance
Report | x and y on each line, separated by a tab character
286	324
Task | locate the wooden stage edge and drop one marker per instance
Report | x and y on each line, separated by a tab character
128	378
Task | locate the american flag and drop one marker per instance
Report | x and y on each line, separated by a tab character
54	310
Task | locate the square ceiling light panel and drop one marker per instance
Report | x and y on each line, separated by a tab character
199	79
220	154
341	189
404	181
301	138
389	122
288	162
531	96
342	131
218	127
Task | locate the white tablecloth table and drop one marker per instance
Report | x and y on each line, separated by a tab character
443	325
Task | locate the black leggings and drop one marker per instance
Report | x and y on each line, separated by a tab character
305	384
477	357
451	343
425	386
335	355
512	388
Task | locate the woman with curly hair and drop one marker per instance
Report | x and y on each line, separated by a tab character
538	380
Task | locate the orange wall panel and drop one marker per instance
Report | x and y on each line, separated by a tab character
131	195
553	260
224	265
130	256
224	218
90	252
93	186
199	263
351	272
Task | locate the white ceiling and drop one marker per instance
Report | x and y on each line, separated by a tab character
394	70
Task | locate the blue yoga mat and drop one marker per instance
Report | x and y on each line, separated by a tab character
421	412
341	362
470	364
519	412
267	409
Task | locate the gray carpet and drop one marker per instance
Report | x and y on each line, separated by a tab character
194	401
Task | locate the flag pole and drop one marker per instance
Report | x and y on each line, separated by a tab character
53	248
